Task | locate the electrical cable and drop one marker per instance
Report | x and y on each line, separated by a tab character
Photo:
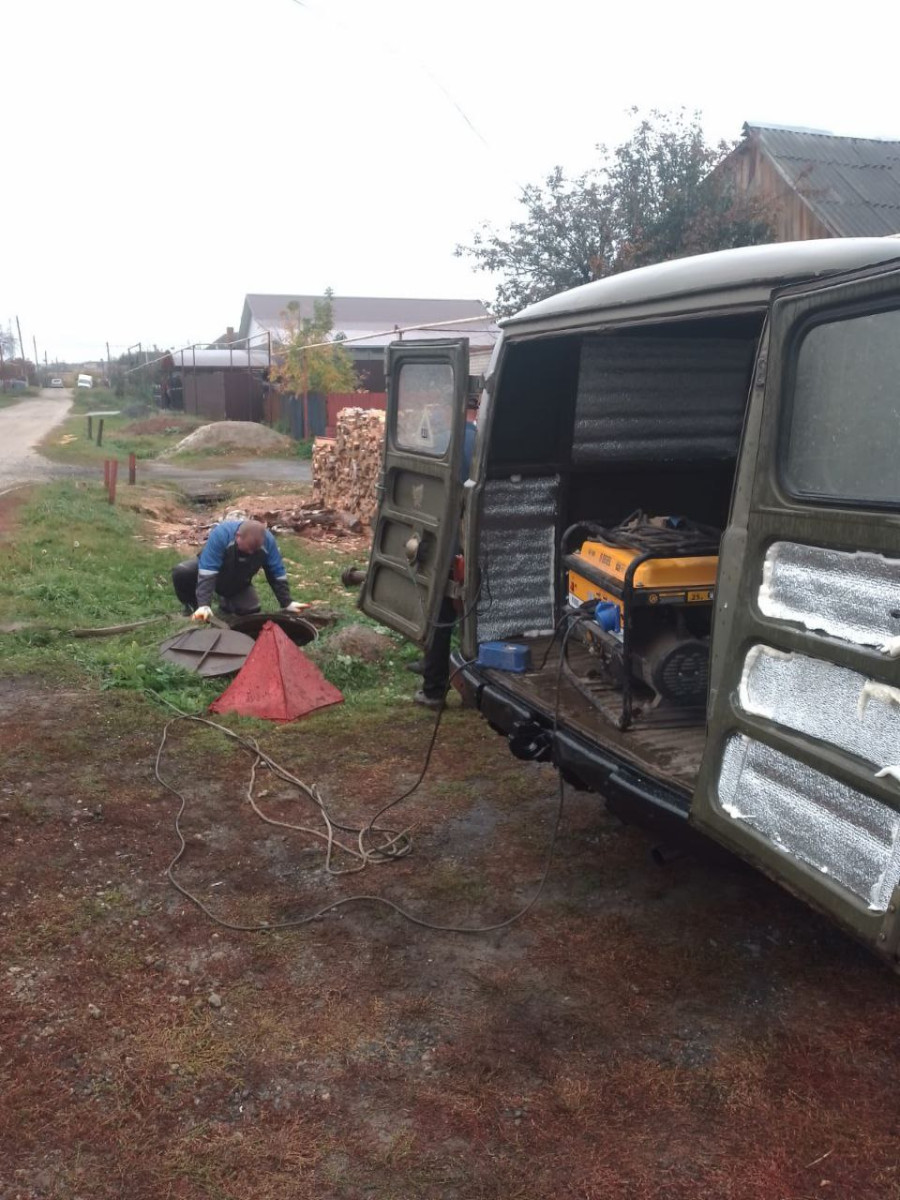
399	845
458	620
311	8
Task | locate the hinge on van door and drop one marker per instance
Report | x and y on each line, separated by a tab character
761	365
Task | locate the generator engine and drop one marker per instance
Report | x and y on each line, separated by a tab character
644	590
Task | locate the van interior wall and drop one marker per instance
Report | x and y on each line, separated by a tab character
657	425
594	426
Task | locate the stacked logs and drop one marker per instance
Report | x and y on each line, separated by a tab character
345	468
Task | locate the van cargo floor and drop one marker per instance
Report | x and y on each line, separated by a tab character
670	754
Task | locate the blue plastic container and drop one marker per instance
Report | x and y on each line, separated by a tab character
504	656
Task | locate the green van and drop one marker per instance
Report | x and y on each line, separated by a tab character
681	535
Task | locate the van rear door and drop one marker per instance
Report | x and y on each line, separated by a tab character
420	493
801	773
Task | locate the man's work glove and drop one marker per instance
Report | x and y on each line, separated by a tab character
203	613
295	606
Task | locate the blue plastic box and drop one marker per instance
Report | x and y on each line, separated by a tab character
504	656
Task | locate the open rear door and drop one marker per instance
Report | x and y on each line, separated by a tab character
417	528
801	773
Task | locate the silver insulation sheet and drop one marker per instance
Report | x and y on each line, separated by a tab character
847	595
518	556
824	701
662	400
813	818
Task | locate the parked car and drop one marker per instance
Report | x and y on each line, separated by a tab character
85	381
682	552
56	383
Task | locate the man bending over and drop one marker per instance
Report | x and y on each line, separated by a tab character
234	552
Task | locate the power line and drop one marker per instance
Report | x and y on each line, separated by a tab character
451	99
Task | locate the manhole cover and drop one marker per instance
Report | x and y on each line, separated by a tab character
208	651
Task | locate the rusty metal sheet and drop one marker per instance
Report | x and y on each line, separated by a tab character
207	651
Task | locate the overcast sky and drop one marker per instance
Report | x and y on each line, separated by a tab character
162	160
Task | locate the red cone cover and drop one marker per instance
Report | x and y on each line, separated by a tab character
277	682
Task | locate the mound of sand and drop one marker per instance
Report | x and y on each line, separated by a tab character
362	642
238	436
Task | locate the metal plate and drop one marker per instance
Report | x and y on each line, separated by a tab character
207	651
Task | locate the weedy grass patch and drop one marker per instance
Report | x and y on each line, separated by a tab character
78	562
137	429
8	399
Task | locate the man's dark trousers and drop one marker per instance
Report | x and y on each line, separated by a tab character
436	663
235	595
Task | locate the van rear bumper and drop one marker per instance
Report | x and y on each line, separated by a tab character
631	795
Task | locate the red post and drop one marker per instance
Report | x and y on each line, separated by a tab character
113	473
106	473
132	467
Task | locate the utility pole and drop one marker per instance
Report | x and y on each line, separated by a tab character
34	343
21	347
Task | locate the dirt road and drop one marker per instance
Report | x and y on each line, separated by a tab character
21	428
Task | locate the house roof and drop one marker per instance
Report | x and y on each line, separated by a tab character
219	359
374	318
851	184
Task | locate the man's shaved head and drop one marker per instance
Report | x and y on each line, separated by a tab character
250	535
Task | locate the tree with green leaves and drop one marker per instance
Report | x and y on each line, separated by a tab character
310	357
655	197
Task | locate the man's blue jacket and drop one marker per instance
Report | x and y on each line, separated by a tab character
224	569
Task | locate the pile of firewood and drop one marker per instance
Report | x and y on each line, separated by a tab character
345	468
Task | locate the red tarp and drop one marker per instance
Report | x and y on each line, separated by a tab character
277	682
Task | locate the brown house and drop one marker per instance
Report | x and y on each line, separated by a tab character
219	384
817	185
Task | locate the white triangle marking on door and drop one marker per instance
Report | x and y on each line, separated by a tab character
426	437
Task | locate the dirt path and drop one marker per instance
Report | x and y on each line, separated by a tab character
21	428
661	1034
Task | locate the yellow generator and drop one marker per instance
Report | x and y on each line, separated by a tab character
643	592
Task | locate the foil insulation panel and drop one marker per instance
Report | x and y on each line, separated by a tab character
518	556
849	596
824	701
678	400
813	818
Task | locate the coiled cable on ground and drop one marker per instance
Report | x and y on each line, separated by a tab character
395	844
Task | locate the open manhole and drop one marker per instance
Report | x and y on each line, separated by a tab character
298	629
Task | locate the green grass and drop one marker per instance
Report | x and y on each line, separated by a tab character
85	563
69	443
119	440
8	399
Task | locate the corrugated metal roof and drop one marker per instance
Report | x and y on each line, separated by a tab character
851	184
219	359
369	316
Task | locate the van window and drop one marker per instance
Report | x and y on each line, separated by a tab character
845	414
425	399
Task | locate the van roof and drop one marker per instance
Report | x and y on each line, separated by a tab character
733	280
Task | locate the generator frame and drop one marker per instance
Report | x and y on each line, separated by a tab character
632	598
